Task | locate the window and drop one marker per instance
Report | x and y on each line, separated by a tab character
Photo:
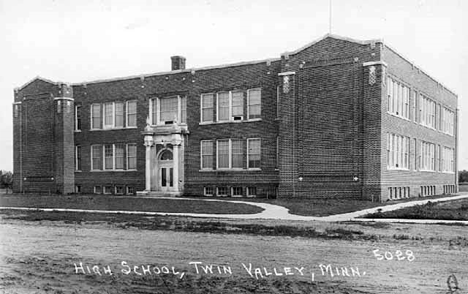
253	153
448	160
131	156
131	114
119	115
237	105
108	115
277	152
208	191
237	153
96	157
97	190
78	158
183	110
223	106
168	110
119	156
397	98
95	116
223	154
427	111
206	154
448	121
427	156
398	148
113	157
108	156
119	190
207	107
254	103
278	101
77	117
222	191
251	191
237	192
414	99
130	190
107	189
77	189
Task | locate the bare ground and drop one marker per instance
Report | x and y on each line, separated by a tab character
39	257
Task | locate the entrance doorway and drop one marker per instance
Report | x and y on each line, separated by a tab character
166	171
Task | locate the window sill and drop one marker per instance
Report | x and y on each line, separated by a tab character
448	172
112	170
427	171
399	116
78	171
230	170
77	131
113	129
229	122
397	168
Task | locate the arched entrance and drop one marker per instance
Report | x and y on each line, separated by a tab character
165	172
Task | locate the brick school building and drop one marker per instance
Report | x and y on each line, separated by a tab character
337	118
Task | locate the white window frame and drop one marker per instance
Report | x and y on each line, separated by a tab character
92	157
201	155
237	195
127	190
127	114
78	106
157	121
127	157
278	102
119	186
398	98
248	104
248	153
104	190
231	99
78	159
212	108
229	154
229	107
398	152
95	189
91	117
115	114
205	193
427	156
104	106
249	192
222	195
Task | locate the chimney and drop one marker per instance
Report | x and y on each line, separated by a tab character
178	62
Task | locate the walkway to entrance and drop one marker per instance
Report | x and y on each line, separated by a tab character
281	213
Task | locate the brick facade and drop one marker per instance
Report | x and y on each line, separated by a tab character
322	129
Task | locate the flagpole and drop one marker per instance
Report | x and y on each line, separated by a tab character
330	19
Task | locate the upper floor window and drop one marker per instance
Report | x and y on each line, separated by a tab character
110	115
254	106
230	106
448	121
131	114
207	107
397	98
168	110
77	117
427	111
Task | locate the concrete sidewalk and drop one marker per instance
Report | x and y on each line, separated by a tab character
280	213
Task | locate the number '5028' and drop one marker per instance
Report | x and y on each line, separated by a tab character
398	255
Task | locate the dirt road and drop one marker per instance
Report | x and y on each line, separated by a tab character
53	257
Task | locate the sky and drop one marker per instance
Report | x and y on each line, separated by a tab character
76	41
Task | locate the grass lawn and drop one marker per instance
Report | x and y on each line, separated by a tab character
100	202
463	187
322	207
450	210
